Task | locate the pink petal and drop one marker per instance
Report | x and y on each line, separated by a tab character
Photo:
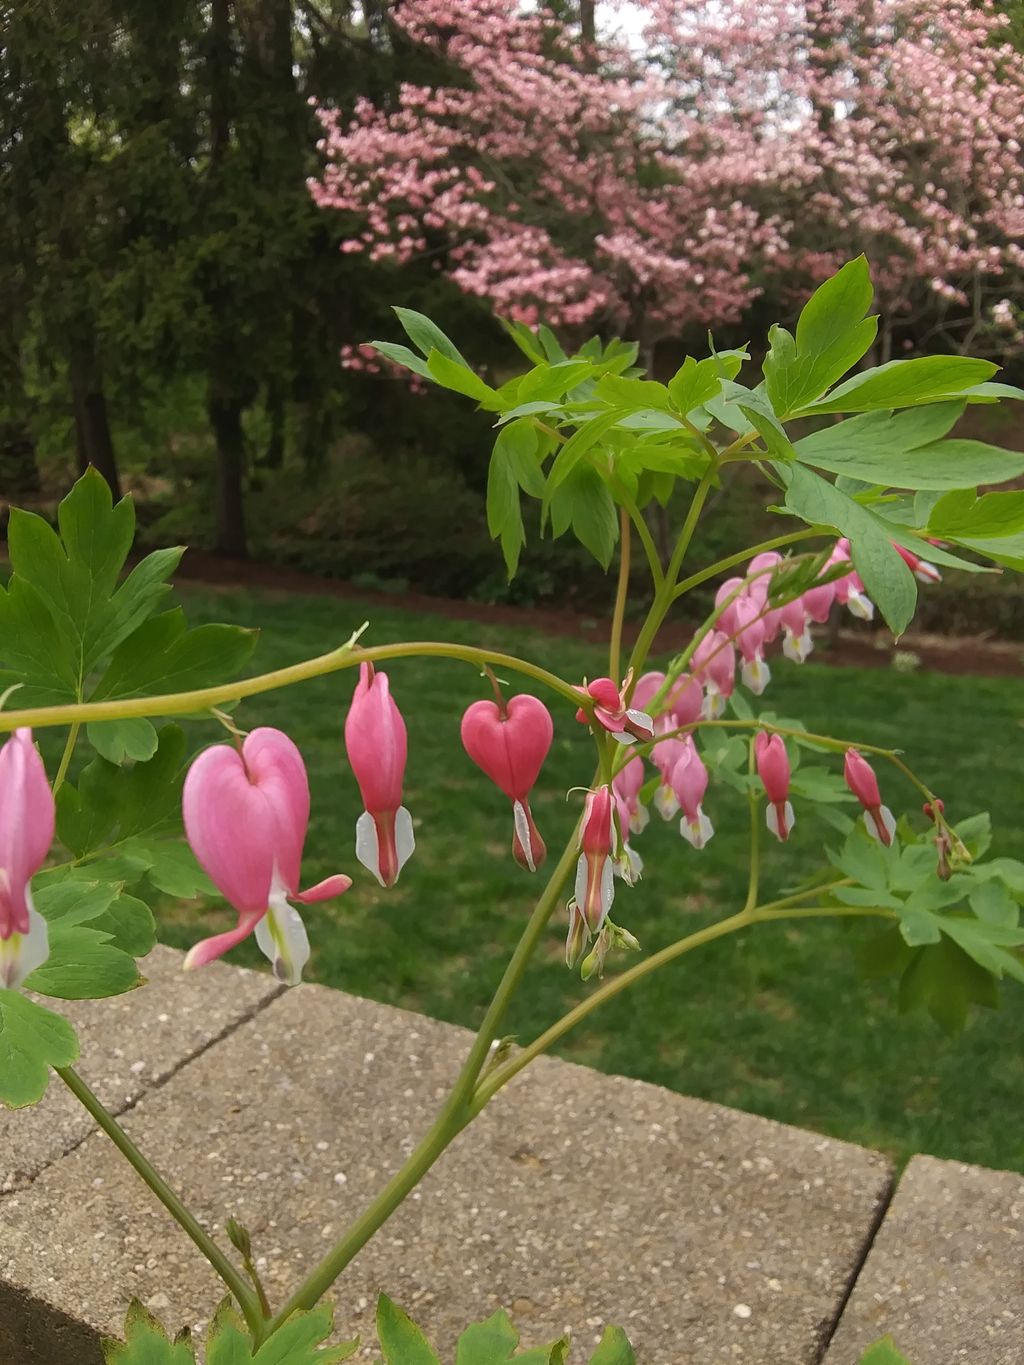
232	828
211	948
27	817
274	765
376	742
325	890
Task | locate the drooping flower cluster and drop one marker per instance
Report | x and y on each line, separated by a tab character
246	814
246	809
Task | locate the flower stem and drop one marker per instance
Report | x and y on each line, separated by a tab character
65	758
615	643
347	656
457	1112
493	1083
228	1272
730	562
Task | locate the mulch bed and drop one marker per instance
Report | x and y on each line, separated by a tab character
862	648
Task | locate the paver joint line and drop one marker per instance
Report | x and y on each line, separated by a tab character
126	1107
881	1209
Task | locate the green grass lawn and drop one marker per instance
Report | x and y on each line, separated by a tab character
775	1021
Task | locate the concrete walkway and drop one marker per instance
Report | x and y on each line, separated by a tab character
577	1199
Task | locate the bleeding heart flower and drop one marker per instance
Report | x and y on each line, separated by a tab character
375	740
774	771
626	786
714	666
755	672
27	818
690	783
920	568
861	779
625	723
246	815
510	746
850	588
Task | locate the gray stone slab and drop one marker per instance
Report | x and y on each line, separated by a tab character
945	1275
577	1199
129	1045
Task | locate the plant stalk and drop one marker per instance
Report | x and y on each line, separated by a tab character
227	1271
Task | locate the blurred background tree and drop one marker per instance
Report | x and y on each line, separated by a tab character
208	205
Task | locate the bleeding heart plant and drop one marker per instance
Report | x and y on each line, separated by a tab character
867	511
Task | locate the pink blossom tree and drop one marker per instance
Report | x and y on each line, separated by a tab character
672	168
537	174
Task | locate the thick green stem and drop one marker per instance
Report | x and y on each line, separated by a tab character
202	699
731	561
619	612
493	1083
227	1271
457	1112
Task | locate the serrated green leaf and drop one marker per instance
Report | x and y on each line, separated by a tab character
992	903
905	383
83	965
963	514
487	1343
76	574
173	869
832	334
146	1343
163	656
401	1340
695	383
32	1039
883	1352
614	1349
116	740
888	581
426	336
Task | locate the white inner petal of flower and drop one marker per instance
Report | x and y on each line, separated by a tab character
23	953
282	938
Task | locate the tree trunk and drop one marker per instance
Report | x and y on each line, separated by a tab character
19	472
588	33
274	456
225	414
93	440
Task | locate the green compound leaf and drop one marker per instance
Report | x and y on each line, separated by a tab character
883	1352
111	805
163	655
888	581
84	964
73	576
146	1342
906	384
32	1039
832	334
298	1342
487	1343
962	514
400	1339
116	740
614	1349
426	336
